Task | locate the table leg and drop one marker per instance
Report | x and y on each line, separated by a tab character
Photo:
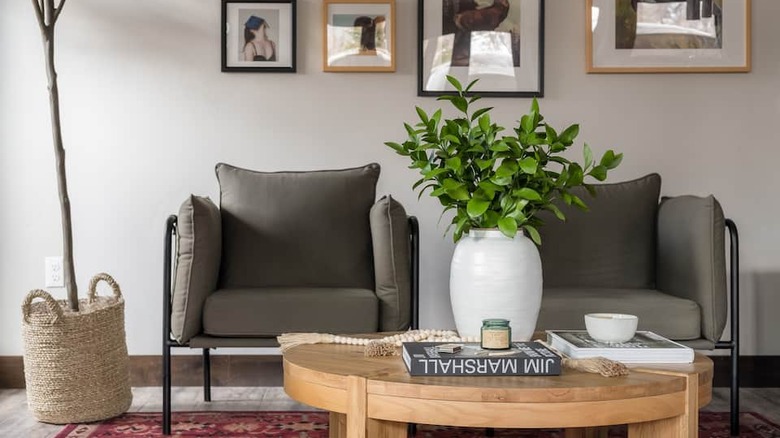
683	426
356	407
587	432
385	429
337	427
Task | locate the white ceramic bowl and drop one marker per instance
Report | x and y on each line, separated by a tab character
611	327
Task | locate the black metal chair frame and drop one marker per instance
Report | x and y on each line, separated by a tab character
168	343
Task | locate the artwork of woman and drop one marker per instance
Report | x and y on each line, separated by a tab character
368	32
257	45
461	17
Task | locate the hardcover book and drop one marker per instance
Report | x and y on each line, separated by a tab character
644	347
522	359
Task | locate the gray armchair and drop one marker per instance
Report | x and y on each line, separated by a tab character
286	252
664	262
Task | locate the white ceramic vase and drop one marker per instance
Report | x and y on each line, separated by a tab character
494	276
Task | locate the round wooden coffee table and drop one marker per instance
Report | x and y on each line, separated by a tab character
376	397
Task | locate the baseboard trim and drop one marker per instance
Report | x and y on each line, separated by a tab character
255	370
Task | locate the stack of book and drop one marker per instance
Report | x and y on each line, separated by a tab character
468	359
645	347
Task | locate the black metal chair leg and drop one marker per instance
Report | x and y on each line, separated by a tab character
166	420
735	390
206	375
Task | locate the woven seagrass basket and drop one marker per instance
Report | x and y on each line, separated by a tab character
75	363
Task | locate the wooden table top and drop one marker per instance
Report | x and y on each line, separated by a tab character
330	365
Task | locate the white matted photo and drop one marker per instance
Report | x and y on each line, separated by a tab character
499	42
668	36
258	36
359	35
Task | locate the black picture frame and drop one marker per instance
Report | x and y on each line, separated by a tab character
534	88
283	13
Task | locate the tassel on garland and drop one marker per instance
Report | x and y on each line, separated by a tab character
594	365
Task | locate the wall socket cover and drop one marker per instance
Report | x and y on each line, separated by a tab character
55	275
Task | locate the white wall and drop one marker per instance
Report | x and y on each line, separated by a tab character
147	114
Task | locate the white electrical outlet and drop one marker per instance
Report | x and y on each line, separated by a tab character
55	276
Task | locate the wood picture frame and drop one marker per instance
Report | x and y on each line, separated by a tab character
510	62
714	36
259	36
358	36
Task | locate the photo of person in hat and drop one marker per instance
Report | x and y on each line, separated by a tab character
257	45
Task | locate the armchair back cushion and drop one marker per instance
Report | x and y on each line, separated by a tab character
610	246
296	229
390	233
197	265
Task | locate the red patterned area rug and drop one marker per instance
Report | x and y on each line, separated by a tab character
315	425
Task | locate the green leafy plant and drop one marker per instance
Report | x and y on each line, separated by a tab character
492	179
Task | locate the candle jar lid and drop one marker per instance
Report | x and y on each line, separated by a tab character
495	322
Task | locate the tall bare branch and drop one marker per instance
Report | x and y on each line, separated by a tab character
59	10
39	15
48	12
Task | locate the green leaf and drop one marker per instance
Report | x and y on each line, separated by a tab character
527	193
535	106
433	173
578	203
508	226
489	188
556	211
529	165
552	136
508	168
610	160
599	172
527	124
451	138
484	123
501	180
397	147
478	113
499	147
477	207
533	233
484	164
569	134
422	115
588	155
453	163
470	85
455	83
460	103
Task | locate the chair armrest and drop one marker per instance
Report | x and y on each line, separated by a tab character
691	257
392	264
197	261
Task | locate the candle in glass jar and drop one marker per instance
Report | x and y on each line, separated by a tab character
495	334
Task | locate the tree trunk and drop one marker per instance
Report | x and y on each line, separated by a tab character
47	31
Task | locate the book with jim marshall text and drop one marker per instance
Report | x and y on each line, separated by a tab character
522	359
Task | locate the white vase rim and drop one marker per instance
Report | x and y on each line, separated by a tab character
489	232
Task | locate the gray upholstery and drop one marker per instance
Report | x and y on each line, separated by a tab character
273	311
390	234
293	229
197	265
610	246
664	263
692	258
667	315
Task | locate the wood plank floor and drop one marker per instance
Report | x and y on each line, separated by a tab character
15	420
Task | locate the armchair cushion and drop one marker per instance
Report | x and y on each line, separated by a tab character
390	236
670	316
692	257
272	311
296	229
610	246
197	264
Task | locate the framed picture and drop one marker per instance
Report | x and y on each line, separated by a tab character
667	36
258	36
499	42
359	35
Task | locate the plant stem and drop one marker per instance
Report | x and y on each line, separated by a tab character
47	32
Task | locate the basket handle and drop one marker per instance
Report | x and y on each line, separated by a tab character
54	308
92	290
